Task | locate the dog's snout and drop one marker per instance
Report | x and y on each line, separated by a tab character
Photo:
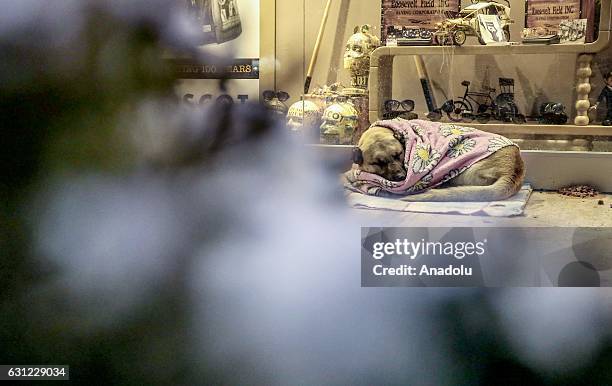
396	171
396	167
399	177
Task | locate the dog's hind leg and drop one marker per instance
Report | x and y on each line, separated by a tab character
495	178
501	189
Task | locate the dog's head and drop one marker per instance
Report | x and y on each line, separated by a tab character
380	152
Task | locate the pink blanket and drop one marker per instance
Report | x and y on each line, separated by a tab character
435	153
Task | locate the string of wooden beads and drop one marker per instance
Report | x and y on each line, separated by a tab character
583	89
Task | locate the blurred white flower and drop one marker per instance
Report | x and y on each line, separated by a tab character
553	329
113	241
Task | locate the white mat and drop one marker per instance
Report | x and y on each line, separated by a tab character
513	206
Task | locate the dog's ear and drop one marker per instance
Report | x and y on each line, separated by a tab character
400	138
357	156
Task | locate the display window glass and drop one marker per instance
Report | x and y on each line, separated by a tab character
534	71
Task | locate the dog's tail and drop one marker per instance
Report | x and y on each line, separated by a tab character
502	188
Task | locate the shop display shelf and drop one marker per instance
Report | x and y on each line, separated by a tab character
535	128
506	49
381	65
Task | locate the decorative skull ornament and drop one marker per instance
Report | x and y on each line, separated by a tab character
331	91
339	123
276	106
274	101
303	116
357	56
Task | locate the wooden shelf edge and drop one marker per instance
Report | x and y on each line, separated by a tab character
539	153
508	129
528	128
601	44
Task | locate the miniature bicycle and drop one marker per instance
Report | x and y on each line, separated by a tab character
502	107
464	107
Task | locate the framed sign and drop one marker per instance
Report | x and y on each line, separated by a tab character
414	13
573	31
230	31
218	20
548	14
491	30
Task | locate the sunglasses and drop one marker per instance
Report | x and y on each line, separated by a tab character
268	95
396	109
405	106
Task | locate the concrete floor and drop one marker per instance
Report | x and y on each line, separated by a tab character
544	209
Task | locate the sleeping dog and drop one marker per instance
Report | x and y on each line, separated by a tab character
408	159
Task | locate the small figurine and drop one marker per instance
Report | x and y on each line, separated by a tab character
357	59
304	117
505	108
274	101
552	113
340	120
573	31
606	94
539	35
459	26
331	91
408	36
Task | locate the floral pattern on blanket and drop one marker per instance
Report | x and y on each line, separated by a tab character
452	130
460	146
498	142
425	158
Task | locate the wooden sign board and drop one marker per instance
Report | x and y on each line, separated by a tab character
418	13
550	13
231	31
